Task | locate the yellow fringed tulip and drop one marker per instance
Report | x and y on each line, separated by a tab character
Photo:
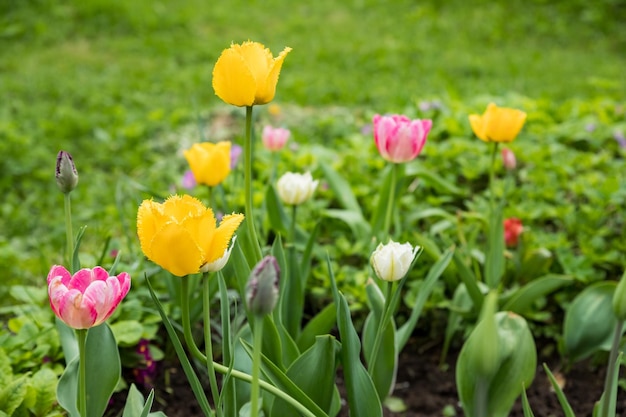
209	162
181	236
246	74
498	124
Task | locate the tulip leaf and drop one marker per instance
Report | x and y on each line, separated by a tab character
528	412
404	332
228	394
196	387
567	409
516	362
494	261
305	263
341	188
322	323
377	221
279	221
75	258
384	368
103	370
589	321
435	180
363	399
354	219
280	380
318	382
135	405
523	298
471	282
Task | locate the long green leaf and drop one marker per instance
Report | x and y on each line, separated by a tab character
470	281
567	409
196	387
362	396
279	221
322	323
341	188
435	180
526	405
377	220
494	260
523	299
404	332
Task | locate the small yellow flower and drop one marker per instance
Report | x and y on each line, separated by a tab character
209	162
498	124
247	74
181	236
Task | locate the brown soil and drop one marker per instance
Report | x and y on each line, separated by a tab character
425	388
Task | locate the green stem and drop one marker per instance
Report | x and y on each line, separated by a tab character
184	307
247	150
208	345
391	200
492	170
256	366
382	324
68	230
610	371
81	336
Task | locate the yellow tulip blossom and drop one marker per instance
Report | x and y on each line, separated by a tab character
181	236
209	162
247	74
498	124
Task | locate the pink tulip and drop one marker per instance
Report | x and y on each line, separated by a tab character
275	138
88	298
513	228
508	159
398	138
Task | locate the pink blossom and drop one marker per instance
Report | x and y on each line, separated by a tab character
188	181
508	159
400	139
275	138
88	298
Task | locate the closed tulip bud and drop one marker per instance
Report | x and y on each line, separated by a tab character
66	174
513	228
508	159
619	299
87	298
400	139
275	138
392	261
295	189
262	288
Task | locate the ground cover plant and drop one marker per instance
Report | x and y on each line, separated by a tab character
127	91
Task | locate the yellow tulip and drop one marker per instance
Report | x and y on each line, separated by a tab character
209	162
181	236
247	74
498	124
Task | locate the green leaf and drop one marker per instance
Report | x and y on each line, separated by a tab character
135	406
377	220
322	323
517	359
127	332
589	321
354	219
75	258
43	385
494	261
567	409
305	263
318	382
384	369
6	371
342	189
68	340
103	370
405	331
435	180
362	396
12	395
470	281
279	221
523	299
196	387
526	405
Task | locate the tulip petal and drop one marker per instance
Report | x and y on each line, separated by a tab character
233	81
175	249
150	217
222	237
74	312
478	126
59	271
266	89
257	57
81	280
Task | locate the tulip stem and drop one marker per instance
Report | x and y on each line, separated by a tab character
208	345
382	324
492	197
256	366
391	200
81	336
610	371
68	231
248	184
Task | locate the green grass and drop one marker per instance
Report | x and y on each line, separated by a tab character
113	82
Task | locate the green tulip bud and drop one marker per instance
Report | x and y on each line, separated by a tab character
262	288
619	299
484	338
66	174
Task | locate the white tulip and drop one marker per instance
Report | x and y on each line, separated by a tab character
295	189
392	261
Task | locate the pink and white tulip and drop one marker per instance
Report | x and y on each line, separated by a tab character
274	138
400	139
87	298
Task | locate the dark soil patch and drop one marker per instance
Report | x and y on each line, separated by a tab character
426	389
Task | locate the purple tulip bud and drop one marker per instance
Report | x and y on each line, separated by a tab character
262	288
66	174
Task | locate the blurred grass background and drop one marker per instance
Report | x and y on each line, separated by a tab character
103	79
